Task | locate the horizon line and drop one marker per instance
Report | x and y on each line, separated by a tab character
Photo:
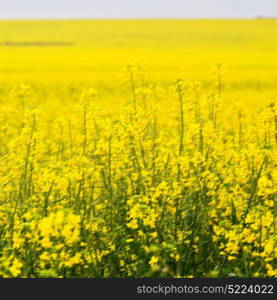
134	19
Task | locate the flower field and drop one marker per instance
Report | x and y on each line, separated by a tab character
163	168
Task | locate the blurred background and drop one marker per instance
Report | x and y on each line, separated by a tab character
62	57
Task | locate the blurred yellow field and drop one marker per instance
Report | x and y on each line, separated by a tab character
138	148
167	50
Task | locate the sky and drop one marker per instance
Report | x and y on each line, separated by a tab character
26	9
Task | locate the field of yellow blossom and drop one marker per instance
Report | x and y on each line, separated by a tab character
138	148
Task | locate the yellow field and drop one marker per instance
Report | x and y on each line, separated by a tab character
166	50
138	148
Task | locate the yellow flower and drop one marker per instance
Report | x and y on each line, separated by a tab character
153	261
15	268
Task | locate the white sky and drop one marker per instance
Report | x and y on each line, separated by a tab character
137	8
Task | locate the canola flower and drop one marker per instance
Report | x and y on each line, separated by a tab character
179	184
